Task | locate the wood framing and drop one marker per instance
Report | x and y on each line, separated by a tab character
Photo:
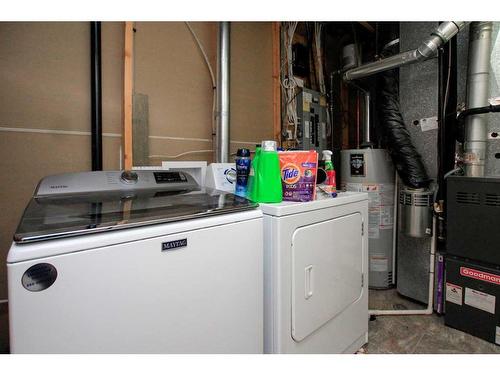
276	41
128	87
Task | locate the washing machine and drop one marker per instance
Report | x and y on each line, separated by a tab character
136	262
316	275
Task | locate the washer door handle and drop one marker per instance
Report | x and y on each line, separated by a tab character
309	282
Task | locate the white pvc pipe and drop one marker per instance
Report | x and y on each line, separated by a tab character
395	225
430	303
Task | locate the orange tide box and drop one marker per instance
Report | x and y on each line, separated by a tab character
298	175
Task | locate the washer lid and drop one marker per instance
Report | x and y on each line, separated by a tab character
56	216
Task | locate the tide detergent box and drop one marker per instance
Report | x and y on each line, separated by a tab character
298	175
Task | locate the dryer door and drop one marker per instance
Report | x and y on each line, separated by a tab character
327	272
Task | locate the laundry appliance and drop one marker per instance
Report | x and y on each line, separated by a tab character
136	262
316	275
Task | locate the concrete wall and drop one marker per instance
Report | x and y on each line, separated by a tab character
45	84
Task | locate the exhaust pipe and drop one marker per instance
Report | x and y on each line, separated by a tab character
223	72
478	78
426	50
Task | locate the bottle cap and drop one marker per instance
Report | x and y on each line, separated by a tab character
268	145
243	152
327	155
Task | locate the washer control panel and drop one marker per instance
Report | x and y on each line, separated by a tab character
108	181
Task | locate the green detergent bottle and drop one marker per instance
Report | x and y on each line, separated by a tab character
251	177
267	180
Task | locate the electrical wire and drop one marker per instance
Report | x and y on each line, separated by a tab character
179	155
288	82
212	76
214	88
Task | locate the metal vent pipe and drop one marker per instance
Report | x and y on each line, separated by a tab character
223	74
478	78
427	49
367	141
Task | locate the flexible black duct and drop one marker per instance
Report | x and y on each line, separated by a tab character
405	157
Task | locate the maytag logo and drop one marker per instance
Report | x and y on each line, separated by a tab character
172	245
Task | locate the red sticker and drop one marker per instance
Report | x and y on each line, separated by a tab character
480	275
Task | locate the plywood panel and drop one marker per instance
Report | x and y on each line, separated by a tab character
170	69
45	75
112	76
251	81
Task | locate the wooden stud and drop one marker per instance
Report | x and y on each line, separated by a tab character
276	41
128	87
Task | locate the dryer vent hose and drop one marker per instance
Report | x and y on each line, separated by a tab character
405	157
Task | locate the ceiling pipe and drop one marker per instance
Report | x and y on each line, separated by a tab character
223	76
427	49
478	84
96	95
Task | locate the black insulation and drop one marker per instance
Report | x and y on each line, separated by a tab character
405	157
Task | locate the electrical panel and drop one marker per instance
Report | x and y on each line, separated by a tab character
312	120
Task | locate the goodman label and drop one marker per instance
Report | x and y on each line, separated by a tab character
480	275
173	245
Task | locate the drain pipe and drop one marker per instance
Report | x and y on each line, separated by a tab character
426	50
96	95
430	301
478	77
223	73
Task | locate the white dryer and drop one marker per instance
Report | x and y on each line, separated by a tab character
316	275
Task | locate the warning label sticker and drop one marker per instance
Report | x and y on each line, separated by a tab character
480	300
380	206
454	293
379	264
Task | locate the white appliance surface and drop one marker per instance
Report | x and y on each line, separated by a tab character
128	296
315	275
187	286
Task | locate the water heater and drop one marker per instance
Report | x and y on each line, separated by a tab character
371	170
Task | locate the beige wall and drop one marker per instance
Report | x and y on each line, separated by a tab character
44	84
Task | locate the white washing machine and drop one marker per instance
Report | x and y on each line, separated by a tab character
316	275
139	262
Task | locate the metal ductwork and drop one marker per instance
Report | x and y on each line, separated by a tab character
223	73
367	141
478	76
426	50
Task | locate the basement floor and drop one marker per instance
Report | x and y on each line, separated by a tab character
424	334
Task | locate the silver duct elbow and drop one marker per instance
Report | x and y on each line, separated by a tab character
426	50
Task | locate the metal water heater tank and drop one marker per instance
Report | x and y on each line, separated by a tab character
372	171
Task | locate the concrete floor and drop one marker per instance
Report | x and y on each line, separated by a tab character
424	334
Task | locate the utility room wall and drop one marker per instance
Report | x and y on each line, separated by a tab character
45	101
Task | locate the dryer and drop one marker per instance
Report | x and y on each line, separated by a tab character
316	275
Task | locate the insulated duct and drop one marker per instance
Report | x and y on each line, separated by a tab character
223	72
477	96
405	157
426	50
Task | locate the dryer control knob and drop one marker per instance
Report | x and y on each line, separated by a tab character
129	177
